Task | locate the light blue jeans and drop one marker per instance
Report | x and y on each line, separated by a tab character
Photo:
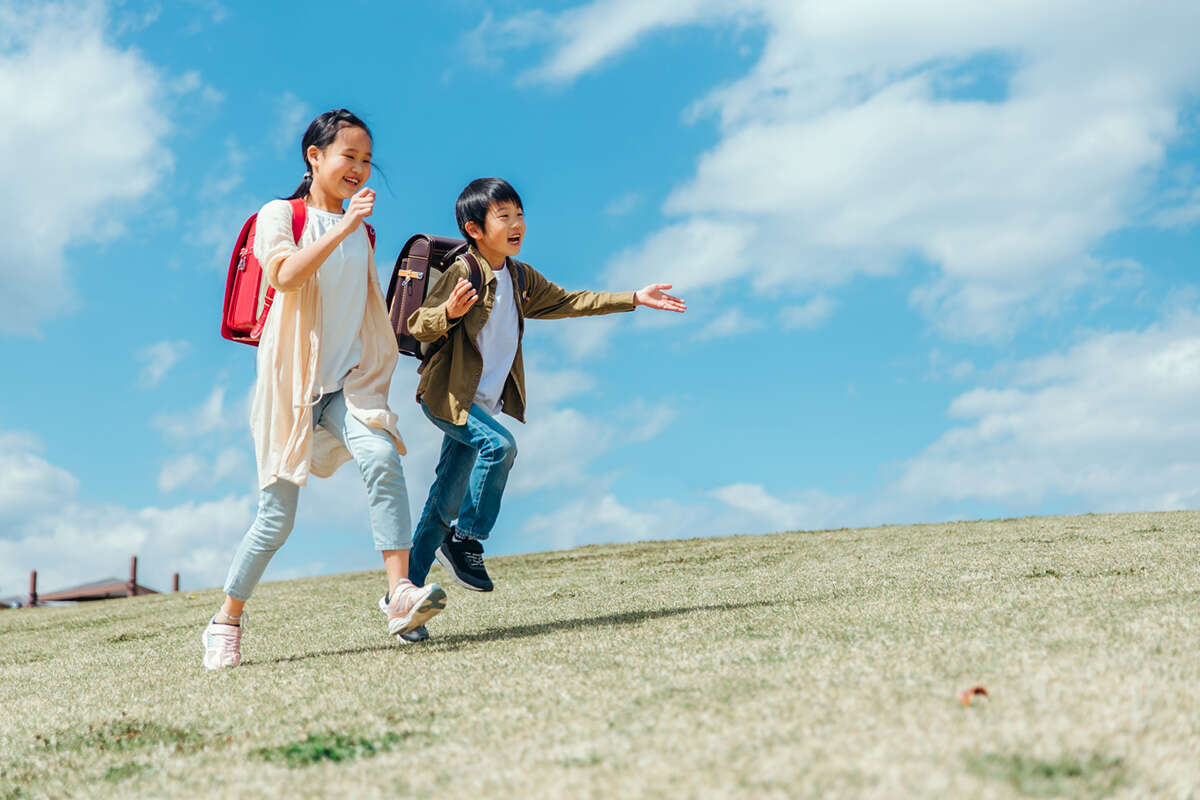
387	496
471	475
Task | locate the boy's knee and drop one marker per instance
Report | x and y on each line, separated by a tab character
506	449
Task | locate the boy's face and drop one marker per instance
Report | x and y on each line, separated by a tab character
503	230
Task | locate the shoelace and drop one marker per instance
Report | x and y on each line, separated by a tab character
229	641
474	560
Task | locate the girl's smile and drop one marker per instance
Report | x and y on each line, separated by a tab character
341	169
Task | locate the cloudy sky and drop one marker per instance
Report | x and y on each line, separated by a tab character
940	260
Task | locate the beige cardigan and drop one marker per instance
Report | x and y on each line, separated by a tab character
281	416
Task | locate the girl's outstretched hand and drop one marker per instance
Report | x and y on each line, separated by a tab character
361	206
654	296
461	298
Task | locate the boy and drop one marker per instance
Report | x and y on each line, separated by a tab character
478	372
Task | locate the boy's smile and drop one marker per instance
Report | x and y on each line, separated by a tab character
503	232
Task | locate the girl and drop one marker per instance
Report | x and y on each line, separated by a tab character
324	364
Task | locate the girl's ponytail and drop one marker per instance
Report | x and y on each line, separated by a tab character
302	189
321	133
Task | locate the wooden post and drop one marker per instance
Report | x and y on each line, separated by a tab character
33	587
175	582
131	587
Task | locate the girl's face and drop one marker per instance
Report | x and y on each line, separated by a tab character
344	165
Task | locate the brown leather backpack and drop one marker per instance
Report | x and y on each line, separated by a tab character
420	264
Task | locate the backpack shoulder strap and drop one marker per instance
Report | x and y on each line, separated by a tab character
474	271
370	234
519	268
299	213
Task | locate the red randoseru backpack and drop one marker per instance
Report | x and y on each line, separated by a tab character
248	296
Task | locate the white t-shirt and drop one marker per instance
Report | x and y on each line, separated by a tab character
498	344
343	282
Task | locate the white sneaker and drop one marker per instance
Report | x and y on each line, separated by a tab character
416	635
222	644
411	606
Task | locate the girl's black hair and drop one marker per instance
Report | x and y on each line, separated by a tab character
475	200
321	133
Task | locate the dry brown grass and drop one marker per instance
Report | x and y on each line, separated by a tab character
796	665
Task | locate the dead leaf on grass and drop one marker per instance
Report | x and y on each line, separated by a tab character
967	695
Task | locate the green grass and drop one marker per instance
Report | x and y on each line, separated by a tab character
318	747
794	665
1092	776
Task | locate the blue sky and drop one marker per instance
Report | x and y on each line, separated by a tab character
940	261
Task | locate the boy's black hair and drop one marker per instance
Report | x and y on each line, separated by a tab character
479	196
321	132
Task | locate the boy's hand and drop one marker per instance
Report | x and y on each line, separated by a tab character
361	206
654	296
461	298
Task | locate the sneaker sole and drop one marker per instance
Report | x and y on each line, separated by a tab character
445	562
402	638
428	608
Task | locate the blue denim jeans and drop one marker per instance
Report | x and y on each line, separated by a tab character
387	496
471	475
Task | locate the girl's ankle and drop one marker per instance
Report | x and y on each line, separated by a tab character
224	619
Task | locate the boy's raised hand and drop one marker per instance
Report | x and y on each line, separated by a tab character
461	298
654	297
362	205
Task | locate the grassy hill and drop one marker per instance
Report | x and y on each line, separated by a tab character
793	665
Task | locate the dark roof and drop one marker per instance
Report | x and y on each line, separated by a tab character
96	590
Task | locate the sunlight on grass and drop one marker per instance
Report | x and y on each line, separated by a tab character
804	664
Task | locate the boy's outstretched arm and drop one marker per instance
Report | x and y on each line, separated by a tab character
548	300
654	296
451	297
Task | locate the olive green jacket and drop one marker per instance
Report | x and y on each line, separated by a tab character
451	376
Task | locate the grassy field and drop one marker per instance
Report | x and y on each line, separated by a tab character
822	664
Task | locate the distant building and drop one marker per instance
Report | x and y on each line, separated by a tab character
96	590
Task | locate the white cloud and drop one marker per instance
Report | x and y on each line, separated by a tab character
597	517
229	175
593	33
1106	424
47	528
294	115
179	471
210	416
196	472
90	140
559	445
29	483
762	511
732	323
851	145
593	521
1184	214
1109	424
192	82
623	205
811	314
581	338
157	360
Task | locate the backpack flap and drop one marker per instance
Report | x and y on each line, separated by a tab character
418	268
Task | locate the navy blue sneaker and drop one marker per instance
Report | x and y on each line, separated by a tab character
463	558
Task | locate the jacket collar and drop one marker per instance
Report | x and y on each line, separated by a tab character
486	269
